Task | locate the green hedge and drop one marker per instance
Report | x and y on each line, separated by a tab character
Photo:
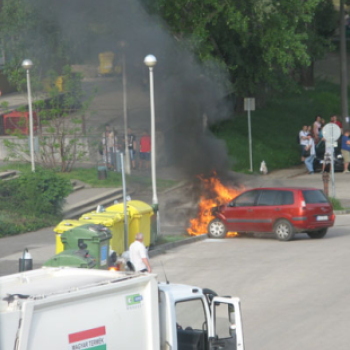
32	201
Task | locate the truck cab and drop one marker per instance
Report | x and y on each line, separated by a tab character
192	318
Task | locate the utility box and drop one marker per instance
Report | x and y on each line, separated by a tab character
114	222
91	237
62	227
72	258
19	121
139	219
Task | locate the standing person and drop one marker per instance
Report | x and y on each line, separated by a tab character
309	160
345	150
132	147
334	119
145	149
108	146
327	158
303	141
316	129
139	255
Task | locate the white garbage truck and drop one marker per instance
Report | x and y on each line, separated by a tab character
84	309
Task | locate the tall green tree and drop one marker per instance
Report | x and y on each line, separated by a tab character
260	42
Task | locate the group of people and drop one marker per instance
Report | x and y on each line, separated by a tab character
311	136
112	145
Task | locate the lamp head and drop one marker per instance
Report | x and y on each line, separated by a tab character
27	64
150	61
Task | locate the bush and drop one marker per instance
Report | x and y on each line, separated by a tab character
38	193
42	192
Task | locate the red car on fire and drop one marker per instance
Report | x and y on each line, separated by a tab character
282	211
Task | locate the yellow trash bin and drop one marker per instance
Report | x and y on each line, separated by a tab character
64	226
106	62
113	221
139	219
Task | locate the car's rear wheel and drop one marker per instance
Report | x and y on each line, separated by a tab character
318	234
284	230
217	229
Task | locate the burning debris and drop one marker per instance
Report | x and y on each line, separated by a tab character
214	193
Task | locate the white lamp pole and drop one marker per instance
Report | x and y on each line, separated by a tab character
125	112
27	65
150	61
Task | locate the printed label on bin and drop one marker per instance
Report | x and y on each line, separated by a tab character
104	255
134	301
91	339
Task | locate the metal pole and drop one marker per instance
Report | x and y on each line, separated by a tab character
250	140
332	166
343	68
153	139
126	243
125	110
31	129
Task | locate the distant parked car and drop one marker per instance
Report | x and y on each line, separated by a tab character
338	158
282	211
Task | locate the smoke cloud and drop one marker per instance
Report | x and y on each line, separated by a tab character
188	99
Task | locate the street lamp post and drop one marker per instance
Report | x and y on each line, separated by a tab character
27	65
125	112
150	61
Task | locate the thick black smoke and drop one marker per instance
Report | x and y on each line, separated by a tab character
188	98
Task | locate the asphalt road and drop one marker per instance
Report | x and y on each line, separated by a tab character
295	295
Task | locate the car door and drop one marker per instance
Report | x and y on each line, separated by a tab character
240	212
264	210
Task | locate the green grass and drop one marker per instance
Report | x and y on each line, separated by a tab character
275	128
90	177
171	238
336	204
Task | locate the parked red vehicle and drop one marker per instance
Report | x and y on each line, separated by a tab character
282	211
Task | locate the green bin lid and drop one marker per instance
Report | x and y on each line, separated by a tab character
92	232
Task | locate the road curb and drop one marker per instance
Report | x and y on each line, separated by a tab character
162	248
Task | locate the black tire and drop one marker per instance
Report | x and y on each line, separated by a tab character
318	234
284	230
217	229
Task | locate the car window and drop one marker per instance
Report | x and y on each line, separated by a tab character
284	198
267	197
314	196
246	199
275	197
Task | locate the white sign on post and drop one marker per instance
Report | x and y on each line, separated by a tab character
331	132
249	104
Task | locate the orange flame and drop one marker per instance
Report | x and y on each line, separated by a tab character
214	194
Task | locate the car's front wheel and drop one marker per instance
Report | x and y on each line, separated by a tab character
217	229
318	234
284	230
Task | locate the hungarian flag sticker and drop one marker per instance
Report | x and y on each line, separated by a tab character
91	339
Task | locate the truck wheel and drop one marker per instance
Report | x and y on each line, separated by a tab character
318	234
217	229
284	230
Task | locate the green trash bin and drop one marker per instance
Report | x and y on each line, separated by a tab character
64	226
139	219
72	258
113	221
91	237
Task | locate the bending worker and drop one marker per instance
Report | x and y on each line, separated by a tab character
139	255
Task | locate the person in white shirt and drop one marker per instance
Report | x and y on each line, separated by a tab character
303	140
309	160
139	255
